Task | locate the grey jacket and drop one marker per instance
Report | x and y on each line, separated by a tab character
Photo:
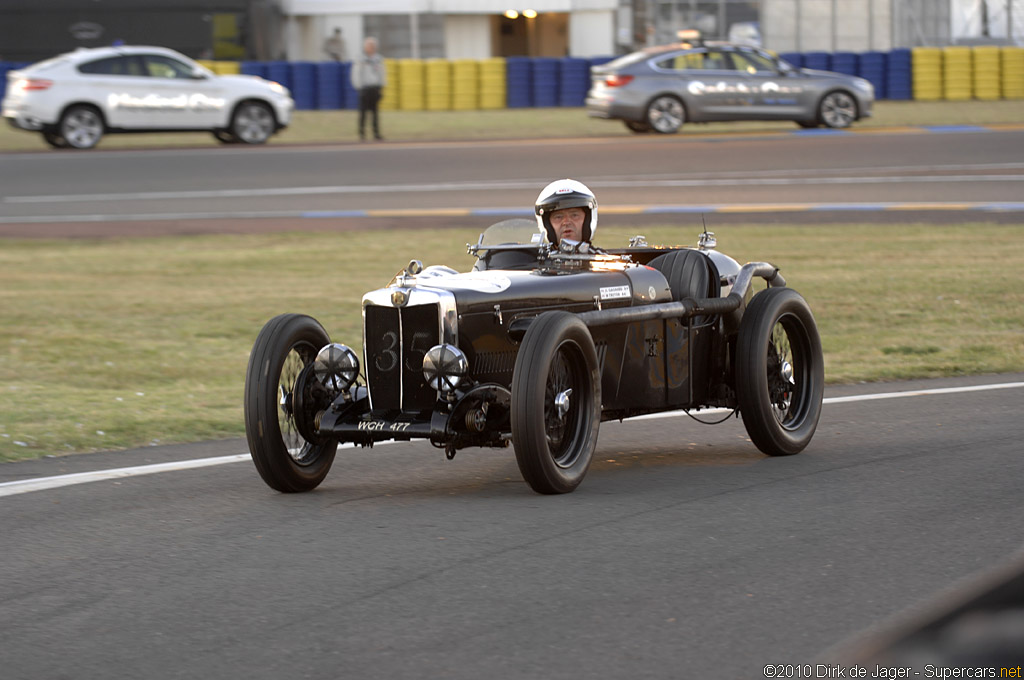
368	72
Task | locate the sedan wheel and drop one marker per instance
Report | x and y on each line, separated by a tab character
666	114
837	110
81	127
253	123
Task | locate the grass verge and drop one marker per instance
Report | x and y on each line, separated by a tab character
110	344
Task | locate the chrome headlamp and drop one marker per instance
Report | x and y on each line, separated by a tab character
336	367
444	367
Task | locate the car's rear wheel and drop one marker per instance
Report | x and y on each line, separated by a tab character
55	140
556	403
837	110
637	127
808	125
253	123
666	114
780	374
81	127
279	407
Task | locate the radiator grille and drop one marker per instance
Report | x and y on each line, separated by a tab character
396	340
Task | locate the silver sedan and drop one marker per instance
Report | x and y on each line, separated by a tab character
661	88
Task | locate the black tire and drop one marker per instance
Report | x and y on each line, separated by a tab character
225	137
55	140
285	460
553	448
253	123
808	124
837	109
81	127
780	372
666	114
637	126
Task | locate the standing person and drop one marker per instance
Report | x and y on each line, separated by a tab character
334	46
369	77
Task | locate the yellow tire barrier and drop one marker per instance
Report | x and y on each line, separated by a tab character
389	100
411	84
956	73
926	68
1012	72
438	92
465	85
492	83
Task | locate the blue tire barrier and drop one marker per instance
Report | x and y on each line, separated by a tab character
280	72
817	60
793	58
253	68
329	86
351	94
574	77
4	68
518	82
899	80
845	62
303	77
872	67
545	81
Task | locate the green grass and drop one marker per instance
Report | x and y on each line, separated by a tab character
120	343
327	127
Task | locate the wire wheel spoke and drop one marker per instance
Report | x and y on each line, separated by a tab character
288	401
781	373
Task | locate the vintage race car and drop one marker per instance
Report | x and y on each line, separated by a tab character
536	346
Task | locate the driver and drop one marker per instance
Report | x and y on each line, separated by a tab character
567	209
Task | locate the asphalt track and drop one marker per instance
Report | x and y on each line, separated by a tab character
962	174
684	554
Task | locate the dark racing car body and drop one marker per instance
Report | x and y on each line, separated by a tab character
536	347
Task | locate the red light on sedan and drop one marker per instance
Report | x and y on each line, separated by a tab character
35	84
618	81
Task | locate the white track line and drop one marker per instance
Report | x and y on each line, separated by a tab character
45	483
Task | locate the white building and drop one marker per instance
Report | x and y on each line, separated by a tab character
455	29
477	29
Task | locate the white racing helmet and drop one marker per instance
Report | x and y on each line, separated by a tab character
566	193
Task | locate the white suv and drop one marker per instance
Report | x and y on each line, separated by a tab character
75	98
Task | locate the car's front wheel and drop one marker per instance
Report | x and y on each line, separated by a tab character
780	374
253	123
556	403
81	127
666	114
637	127
837	110
280	406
